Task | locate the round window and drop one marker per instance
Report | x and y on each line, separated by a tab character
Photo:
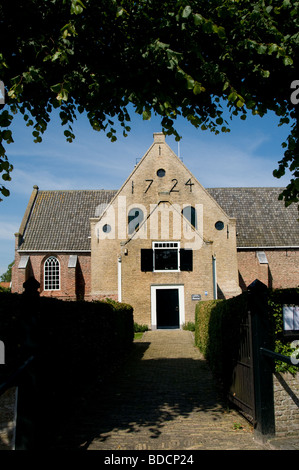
219	225
106	228
161	173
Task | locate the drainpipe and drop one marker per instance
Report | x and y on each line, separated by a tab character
119	278
214	277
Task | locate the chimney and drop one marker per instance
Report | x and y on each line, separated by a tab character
159	138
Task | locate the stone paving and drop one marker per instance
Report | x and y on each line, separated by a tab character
7	419
163	398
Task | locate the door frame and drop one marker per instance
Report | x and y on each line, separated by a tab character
181	294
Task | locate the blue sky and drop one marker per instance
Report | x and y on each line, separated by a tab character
246	156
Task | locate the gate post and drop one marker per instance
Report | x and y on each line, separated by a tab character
262	367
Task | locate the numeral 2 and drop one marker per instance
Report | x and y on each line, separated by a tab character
172	189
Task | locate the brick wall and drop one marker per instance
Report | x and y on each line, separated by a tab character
96	275
137	285
162	200
74	282
282	270
286	401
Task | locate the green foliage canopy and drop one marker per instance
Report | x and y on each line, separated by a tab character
189	58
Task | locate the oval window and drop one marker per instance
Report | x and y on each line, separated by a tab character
219	225
161	173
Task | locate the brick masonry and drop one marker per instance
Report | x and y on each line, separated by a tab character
96	275
49	221
163	398
162	199
74	281
280	272
286	401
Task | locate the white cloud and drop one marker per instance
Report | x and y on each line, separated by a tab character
8	229
220	164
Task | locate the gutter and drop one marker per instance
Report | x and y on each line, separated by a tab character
266	247
54	250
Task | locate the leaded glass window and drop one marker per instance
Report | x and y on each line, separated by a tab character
52	274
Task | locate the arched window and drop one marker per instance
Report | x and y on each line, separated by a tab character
135	217
51	274
190	213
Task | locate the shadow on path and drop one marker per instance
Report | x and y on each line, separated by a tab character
163	397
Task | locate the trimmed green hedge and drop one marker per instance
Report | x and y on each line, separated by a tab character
140	328
217	329
76	345
83	333
216	333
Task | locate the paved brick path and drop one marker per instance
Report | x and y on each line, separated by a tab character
164	398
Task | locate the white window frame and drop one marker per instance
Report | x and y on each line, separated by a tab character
162	245
49	272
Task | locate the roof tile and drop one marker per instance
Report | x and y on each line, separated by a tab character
262	220
59	220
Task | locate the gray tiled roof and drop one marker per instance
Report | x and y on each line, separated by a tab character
59	220
262	220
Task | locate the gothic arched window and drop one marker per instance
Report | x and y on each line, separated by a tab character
52	274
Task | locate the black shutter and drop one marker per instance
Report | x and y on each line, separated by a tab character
147	259
186	261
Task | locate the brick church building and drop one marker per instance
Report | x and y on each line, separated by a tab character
160	243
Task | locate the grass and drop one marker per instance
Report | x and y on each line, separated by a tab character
138	335
189	326
139	330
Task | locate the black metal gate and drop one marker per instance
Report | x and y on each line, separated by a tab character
251	384
241	391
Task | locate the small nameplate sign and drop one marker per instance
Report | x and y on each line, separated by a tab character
195	297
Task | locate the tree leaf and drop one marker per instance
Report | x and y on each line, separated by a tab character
232	96
198	19
105	58
288	61
146	115
186	12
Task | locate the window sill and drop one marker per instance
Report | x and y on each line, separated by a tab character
166	271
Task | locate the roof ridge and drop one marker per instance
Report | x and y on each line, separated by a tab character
247	187
73	190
